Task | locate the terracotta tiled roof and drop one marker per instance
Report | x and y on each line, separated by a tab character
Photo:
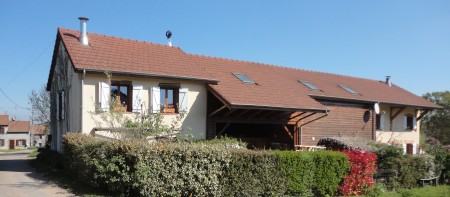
38	129
18	126
4	120
279	86
276	87
107	53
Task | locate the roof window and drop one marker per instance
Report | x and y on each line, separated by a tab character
309	85
348	89
244	78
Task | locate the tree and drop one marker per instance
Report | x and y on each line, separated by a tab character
437	123
40	105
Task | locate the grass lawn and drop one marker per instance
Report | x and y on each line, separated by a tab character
10	150
34	153
428	191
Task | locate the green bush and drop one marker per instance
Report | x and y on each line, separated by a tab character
330	170
184	168
298	168
405	171
49	159
387	153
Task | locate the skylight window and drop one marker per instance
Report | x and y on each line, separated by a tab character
244	78
348	89
309	85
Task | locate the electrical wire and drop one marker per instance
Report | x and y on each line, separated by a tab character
12	101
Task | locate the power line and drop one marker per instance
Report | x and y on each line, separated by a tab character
12	101
28	66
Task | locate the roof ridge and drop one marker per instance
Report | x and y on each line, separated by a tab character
284	67
128	39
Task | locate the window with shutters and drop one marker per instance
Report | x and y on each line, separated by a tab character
2	130
2	142
121	94
409	122
20	142
169	98
379	122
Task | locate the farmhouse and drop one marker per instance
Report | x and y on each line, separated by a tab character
267	106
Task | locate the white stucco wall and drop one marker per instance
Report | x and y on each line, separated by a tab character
14	136
194	122
398	135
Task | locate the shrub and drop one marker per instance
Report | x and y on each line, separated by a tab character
330	169
387	153
299	169
362	167
253	173
404	172
49	159
186	168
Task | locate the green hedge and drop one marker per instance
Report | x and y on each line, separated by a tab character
136	168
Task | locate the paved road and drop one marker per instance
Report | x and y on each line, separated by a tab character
18	179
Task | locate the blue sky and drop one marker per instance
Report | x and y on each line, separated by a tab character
409	40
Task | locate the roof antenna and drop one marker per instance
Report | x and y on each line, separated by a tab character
169	35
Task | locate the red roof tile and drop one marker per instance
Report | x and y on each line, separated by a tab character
107	53
38	129
4	120
276	87
18	126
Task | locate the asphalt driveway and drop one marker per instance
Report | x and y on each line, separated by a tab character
17	178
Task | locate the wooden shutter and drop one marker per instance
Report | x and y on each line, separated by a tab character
137	98
63	105
155	100
183	97
381	121
57	107
104	95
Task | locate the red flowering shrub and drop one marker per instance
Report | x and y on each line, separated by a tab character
362	167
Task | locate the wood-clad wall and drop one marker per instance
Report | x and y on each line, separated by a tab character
343	120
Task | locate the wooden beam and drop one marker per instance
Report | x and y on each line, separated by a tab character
396	113
230	112
253	121
223	129
217	111
242	113
306	116
267	114
423	114
288	132
299	114
254	114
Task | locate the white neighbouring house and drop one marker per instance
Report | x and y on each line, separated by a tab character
14	134
266	106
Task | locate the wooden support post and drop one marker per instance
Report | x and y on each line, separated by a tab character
223	129
288	131
423	114
217	111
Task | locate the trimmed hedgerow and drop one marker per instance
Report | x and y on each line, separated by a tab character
136	168
330	169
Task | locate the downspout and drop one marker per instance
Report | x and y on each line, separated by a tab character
81	107
301	127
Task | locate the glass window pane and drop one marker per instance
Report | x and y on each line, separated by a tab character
244	78
170	97
114	90
309	85
163	97
348	89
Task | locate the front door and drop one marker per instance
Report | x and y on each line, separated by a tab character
11	144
